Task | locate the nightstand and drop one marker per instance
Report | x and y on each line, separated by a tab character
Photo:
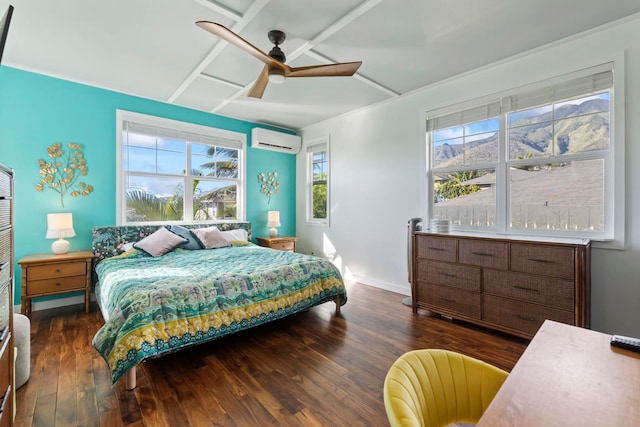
50	274
281	243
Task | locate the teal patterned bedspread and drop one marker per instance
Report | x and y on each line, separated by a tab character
158	305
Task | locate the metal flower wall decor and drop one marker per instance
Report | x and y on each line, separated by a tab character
268	184
61	174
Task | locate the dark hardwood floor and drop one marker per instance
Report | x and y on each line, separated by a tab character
314	368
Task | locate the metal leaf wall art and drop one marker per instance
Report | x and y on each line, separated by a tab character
61	173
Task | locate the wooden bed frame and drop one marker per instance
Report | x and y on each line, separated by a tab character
131	375
118	236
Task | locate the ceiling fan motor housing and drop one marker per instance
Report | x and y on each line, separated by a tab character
277	37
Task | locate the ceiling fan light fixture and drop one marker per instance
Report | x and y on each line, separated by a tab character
276	75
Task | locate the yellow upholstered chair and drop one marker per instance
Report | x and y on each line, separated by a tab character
436	388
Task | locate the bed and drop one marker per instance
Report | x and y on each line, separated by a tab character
157	304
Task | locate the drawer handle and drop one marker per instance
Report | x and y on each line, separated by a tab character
524	288
544	261
527	318
481	254
435	249
447	299
3	266
57	270
453	276
57	283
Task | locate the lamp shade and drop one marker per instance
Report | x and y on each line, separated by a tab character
273	219
60	225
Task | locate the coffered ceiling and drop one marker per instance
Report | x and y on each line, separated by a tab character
153	49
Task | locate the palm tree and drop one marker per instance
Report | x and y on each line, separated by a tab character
144	206
222	168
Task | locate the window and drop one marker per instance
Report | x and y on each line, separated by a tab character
175	171
318	181
540	161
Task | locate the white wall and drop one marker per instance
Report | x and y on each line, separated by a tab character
377	166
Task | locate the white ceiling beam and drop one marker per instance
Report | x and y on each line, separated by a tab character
222	81
306	47
251	13
319	57
345	20
220	9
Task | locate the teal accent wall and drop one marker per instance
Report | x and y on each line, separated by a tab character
37	110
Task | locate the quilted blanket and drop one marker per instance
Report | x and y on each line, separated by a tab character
158	305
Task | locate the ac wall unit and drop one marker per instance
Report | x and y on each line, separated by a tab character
266	139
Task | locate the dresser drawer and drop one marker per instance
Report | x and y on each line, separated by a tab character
539	289
5	246
521	316
438	248
5	273
483	253
450	299
60	284
61	269
5	184
5	213
554	261
454	275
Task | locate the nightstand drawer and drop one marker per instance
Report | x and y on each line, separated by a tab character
63	284
62	269
283	246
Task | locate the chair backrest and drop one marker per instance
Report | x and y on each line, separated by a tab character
439	387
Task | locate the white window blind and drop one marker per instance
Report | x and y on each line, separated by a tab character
599	78
181	135
475	114
322	146
558	92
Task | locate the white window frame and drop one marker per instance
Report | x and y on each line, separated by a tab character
314	146
202	135
614	174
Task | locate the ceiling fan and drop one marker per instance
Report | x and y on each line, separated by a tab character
275	70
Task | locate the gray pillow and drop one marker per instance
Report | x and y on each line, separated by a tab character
210	238
192	244
159	243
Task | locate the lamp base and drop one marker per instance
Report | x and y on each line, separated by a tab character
273	232
60	246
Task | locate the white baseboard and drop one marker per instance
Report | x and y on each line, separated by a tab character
393	287
54	303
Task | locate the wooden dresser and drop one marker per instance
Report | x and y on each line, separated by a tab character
507	284
6	296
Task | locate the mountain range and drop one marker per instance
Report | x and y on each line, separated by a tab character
578	128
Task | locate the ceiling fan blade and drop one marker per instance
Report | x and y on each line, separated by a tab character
232	38
259	86
327	70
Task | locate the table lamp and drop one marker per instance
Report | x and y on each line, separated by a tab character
60	225
273	221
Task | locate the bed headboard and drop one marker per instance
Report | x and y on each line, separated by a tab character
108	241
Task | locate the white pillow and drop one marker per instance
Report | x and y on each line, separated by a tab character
234	235
160	242
210	237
